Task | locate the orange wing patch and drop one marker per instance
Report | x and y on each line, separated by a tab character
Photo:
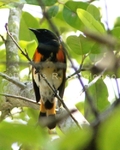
37	57
60	55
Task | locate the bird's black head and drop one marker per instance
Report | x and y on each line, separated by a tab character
47	40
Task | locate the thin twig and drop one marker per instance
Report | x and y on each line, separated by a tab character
11	79
46	64
45	14
60	99
19	97
58	119
104	115
107	17
79	70
32	63
90	101
92	82
103	39
63	45
13	62
22	51
4	40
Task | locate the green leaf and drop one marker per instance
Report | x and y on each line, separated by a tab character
33	2
70	15
62	26
25	134
96	48
1	42
99	94
94	11
109	132
80	45
89	21
73	55
74	43
29	46
45	2
80	140
49	2
52	11
117	22
116	32
2	60
5	2
80	107
27	21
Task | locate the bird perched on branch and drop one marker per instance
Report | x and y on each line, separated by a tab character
49	75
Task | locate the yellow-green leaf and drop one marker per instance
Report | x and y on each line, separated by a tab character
89	21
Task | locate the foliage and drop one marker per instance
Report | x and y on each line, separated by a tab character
91	52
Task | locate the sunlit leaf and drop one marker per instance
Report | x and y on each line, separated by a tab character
29	46
94	11
116	32
80	107
27	21
4	2
70	15
89	21
117	22
2	60
1	42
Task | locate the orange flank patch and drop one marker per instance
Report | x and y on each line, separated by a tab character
42	108
37	57
60	55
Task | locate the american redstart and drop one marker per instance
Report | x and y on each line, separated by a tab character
50	55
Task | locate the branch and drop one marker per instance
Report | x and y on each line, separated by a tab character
33	64
59	118
89	99
63	45
103	39
11	79
45	14
28	102
22	51
46	64
104	115
11	48
19	97
60	99
12	63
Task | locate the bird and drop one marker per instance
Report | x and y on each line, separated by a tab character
49	53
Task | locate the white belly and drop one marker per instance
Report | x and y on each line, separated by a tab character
54	76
